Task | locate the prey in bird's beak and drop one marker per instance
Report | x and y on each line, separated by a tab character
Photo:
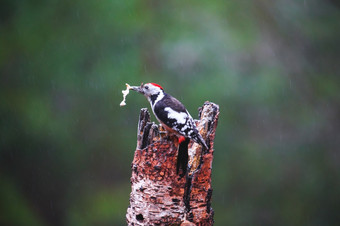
138	89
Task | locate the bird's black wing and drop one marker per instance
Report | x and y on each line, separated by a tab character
174	103
162	114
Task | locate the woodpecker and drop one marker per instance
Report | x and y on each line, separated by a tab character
174	117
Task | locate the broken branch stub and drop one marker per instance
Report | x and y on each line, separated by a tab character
158	195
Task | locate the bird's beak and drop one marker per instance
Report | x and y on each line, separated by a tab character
137	89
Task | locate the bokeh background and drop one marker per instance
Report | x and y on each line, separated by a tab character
273	67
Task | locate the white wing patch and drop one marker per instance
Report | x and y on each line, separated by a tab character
181	117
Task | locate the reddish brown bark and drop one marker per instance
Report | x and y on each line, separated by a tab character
158	195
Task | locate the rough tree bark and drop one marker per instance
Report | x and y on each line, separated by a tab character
158	195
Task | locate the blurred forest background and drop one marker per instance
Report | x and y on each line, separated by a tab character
273	67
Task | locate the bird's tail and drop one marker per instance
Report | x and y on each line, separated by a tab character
182	158
199	139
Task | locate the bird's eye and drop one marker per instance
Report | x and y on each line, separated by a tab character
146	87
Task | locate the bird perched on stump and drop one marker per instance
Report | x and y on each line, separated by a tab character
174	117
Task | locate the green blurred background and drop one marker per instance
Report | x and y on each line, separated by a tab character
273	67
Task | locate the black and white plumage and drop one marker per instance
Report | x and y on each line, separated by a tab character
172	114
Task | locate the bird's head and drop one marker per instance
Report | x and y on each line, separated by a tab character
148	89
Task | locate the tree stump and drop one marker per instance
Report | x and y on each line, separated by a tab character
158	195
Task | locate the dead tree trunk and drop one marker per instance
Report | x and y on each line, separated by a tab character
158	195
